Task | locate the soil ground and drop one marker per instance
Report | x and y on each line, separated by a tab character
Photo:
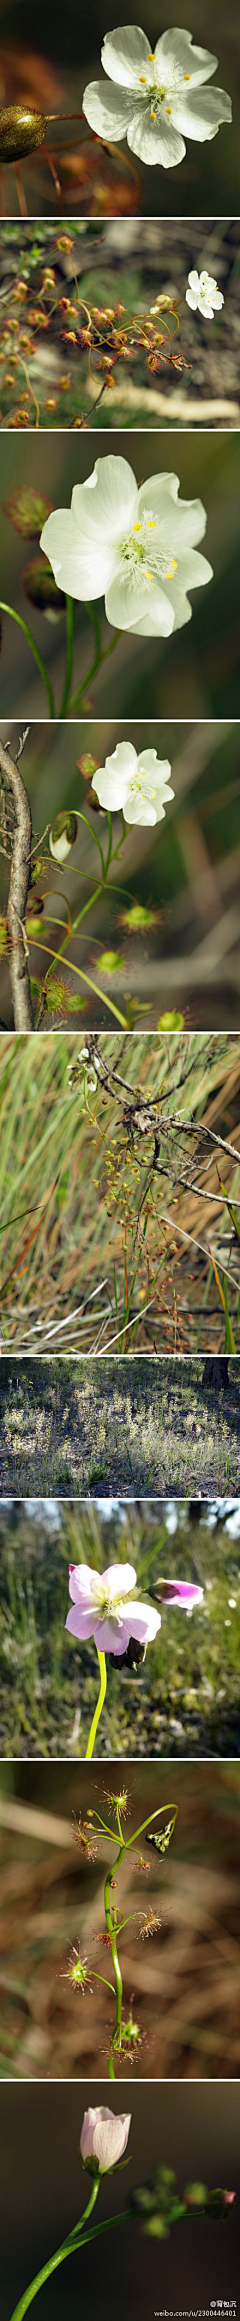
118	1427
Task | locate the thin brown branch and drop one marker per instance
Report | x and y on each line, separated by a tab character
18	889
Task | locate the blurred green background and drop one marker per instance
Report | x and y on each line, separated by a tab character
192	2129
196	672
60	55
185	1698
185	870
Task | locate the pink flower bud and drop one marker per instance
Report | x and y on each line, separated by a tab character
103	2139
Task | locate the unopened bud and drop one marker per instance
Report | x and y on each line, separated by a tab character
87	765
41	588
21	130
63	836
28	511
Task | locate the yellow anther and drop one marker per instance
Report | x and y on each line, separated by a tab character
151	523
148	575
187	76
169	108
153	116
137	527
151	57
143	78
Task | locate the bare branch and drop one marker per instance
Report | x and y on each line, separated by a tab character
18	889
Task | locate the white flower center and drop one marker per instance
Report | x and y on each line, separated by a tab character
143	556
109	1607
162	92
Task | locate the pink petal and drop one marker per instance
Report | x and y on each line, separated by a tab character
119	1578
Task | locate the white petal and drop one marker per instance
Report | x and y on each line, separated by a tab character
78	567
107	511
176	47
191	300
147	627
156	142
107	110
182	523
206	310
194	280
199	114
138	809
159	767
119	1578
125	55
110	789
123	761
123	601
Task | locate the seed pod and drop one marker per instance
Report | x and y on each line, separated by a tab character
21	130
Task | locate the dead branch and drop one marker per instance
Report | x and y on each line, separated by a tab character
18	889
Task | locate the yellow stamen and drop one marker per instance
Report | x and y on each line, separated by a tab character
151	57
148	575
153	116
136	527
187	76
151	523
169	108
143	78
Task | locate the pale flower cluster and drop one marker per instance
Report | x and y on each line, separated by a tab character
156	98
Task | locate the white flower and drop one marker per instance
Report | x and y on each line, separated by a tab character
159	97
137	546
204	294
138	784
99	1609
103	2138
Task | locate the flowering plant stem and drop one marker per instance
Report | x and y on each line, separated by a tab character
67	707
100	1701
74	2240
123	2036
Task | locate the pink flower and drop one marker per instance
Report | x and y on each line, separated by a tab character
179	1592
103	2139
99	1609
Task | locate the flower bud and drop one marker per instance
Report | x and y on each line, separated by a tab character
170	1022
41	588
103	2139
63	836
21	130
87	765
28	511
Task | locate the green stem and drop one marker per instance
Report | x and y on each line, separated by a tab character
99	656
15	616
65	2250
113	1930
69	658
69	2247
100	1701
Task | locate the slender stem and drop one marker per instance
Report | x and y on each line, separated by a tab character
99	657
113	1931
60	2253
15	616
69	657
59	957
100	1701
70	2246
